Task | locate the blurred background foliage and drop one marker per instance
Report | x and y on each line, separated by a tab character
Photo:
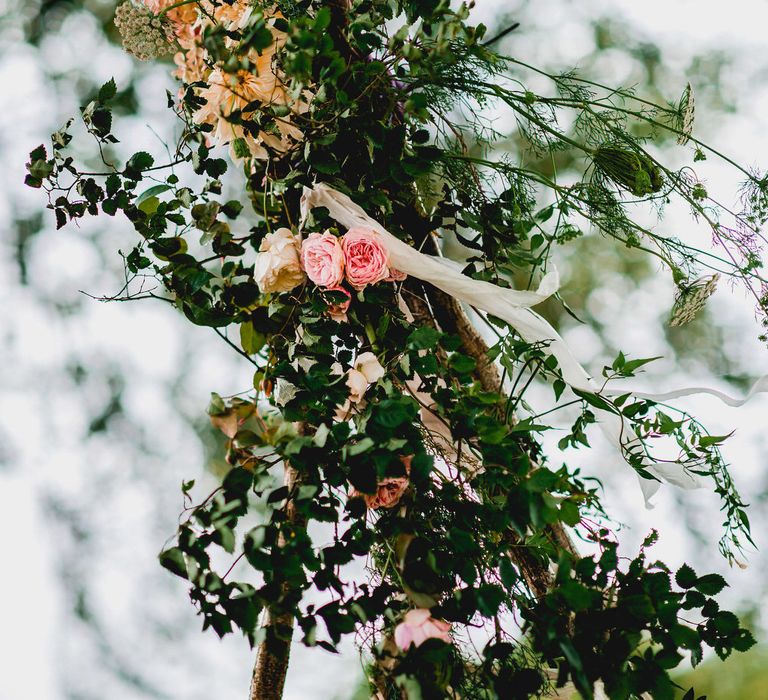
102	406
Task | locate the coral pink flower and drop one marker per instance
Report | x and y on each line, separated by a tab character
338	311
365	256
418	626
323	259
389	491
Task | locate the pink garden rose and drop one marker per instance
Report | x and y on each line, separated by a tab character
365	256
418	626
338	311
322	259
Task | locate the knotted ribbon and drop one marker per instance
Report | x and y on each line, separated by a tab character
513	306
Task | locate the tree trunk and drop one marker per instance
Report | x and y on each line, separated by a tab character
274	652
433	307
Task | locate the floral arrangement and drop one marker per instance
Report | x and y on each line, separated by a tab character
380	414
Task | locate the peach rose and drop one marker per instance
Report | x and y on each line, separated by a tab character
365	256
338	311
418	626
277	267
323	259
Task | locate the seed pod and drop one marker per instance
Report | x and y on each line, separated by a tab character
632	171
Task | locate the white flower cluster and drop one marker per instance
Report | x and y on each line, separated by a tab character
145	35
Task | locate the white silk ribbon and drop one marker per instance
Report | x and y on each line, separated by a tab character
513	306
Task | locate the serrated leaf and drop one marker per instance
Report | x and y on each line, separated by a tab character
686	577
711	584
107	91
173	560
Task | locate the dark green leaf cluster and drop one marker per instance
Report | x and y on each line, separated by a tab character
628	625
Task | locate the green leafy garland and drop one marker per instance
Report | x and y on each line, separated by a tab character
391	102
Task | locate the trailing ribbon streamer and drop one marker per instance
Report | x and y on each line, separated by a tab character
513	306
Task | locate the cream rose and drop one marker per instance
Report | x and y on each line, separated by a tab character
357	383
277	267
368	364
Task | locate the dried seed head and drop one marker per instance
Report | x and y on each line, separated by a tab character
691	299
686	112
145	35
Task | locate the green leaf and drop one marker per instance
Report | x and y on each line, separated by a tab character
424	338
725	622
173	560
251	340
685	577
710	440
508	573
462	364
149	205
711	584
107	91
151	192
137	163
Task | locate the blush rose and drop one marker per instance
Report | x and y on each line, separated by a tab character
323	259
418	626
365	257
338	311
